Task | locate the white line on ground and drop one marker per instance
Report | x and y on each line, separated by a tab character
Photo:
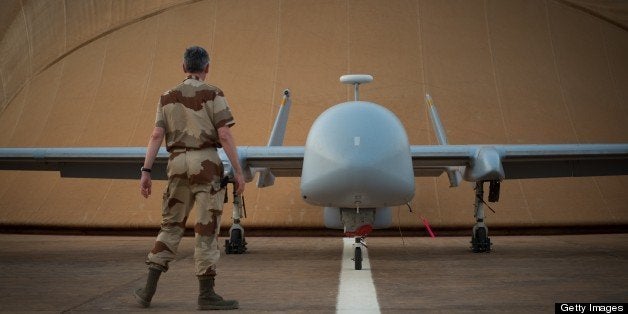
356	293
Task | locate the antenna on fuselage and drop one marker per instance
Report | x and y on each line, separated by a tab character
356	80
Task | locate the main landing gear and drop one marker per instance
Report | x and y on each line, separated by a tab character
237	242
480	242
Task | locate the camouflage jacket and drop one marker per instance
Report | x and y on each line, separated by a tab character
191	114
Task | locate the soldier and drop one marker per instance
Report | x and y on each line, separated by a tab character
195	119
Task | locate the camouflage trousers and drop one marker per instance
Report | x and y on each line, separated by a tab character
193	181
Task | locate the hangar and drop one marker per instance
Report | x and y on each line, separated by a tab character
89	73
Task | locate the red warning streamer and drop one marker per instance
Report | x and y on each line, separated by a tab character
427	226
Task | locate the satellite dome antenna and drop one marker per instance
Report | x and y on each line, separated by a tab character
356	80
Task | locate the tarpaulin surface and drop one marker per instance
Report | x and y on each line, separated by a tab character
90	72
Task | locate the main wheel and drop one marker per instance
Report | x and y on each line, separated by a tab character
358	258
236	236
234	244
480	242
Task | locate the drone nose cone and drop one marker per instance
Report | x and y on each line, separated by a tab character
357	153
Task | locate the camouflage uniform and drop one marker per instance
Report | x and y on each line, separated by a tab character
191	114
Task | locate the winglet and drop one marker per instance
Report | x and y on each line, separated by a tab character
455	177
266	178
441	135
279	128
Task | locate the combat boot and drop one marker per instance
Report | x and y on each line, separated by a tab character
209	300
145	295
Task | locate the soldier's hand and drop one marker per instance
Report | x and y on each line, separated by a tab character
145	184
239	183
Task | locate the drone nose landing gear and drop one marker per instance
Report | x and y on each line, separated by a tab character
357	256
358	223
360	243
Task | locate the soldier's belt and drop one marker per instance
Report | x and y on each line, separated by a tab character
186	149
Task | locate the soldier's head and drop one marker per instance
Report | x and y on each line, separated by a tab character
195	60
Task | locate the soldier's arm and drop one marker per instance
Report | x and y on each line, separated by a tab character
151	152
228	144
153	146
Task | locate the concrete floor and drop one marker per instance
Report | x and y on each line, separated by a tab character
53	273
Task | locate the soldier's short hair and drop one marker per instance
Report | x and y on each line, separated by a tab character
195	59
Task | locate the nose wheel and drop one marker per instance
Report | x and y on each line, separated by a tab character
357	256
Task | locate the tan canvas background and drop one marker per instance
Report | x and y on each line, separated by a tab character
89	73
